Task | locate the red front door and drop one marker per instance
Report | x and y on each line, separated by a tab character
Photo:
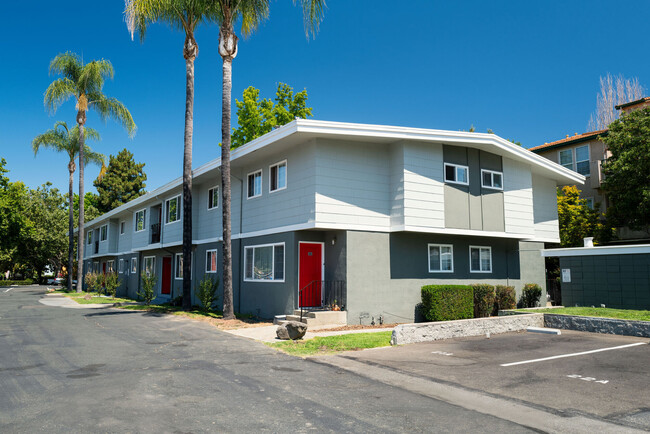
166	286
310	274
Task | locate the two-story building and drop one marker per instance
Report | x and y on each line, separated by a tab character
363	215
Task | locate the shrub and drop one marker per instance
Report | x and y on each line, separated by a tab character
16	282
148	284
447	302
89	280
530	295
207	292
484	297
506	298
111	281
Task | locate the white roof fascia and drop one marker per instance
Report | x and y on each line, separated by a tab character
635	249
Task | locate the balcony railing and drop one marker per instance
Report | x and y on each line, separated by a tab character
155	233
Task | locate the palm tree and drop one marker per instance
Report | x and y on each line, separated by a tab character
84	82
251	13
185	15
65	140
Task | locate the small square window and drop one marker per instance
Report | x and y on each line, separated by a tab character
278	177
456	174
480	259
492	179
255	184
213	198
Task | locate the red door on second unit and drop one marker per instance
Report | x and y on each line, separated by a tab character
166	286
310	274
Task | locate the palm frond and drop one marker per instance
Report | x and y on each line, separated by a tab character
93	75
58	92
312	13
52	139
178	14
93	157
63	124
67	64
252	13
113	109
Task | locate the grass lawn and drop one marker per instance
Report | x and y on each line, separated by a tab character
605	312
333	344
95	299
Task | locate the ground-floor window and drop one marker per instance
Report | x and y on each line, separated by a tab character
480	259
134	265
179	266
149	265
110	266
96	267
441	258
264	262
211	261
120	268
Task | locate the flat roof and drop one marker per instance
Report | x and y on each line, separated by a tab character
630	249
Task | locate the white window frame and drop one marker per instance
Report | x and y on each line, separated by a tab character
211	196
248	180
559	158
480	264
178	210
144	220
492	173
208	262
120	267
134	265
456	166
95	266
153	264
574	158
451	248
100	233
122	227
178	268
277	172
284	263
110	266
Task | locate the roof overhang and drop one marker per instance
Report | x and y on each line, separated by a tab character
634	249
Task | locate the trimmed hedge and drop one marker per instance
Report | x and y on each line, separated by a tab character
530	295
506	297
447	302
484	297
16	282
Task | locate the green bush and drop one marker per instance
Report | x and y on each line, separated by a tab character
148	284
530	295
111	281
506	298
484	297
16	282
447	302
207	292
94	282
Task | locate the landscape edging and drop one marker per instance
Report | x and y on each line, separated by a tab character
591	324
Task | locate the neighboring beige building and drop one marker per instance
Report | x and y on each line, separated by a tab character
634	105
582	153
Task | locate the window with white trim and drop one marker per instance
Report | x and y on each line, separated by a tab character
254	184
566	158
120	268
96	267
103	233
582	160
140	219
122	227
480	259
278	176
456	174
173	209
90	236
211	261
134	265
149	265
213	198
110	266
126	266
264	262
178	266
491	179
441	258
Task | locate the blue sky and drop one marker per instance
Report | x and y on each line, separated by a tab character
527	70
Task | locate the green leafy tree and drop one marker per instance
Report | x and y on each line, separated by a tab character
123	181
250	13
627	171
575	218
62	139
257	117
185	15
84	82
13	220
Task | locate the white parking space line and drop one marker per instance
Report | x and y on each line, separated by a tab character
7	290
574	354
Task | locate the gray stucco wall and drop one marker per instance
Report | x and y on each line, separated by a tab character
617	281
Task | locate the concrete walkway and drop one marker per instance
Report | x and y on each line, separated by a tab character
58	300
267	333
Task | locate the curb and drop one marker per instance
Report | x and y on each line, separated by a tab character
592	324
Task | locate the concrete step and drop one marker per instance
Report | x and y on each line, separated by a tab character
318	318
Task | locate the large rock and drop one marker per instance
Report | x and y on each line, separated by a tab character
291	330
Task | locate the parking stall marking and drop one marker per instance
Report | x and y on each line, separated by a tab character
444	353
580	377
620	347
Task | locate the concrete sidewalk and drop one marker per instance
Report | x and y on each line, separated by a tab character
58	300
267	333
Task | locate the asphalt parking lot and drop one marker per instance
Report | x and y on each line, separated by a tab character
605	376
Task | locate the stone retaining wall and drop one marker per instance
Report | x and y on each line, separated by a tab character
598	325
433	331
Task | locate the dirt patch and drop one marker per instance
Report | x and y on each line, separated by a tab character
356	327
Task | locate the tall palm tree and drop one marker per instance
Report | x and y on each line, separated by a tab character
185	15
84	82
251	13
61	139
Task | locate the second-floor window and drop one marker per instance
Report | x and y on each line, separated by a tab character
278	176
172	210
122	228
139	220
456	174
254	184
492	179
103	233
213	198
576	159
90	237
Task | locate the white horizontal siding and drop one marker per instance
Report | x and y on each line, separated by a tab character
397	185
423	185
545	208
517	198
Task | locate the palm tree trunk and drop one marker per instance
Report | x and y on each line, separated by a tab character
81	120
187	175
228	308
70	224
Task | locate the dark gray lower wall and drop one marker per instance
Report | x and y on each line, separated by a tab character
617	281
